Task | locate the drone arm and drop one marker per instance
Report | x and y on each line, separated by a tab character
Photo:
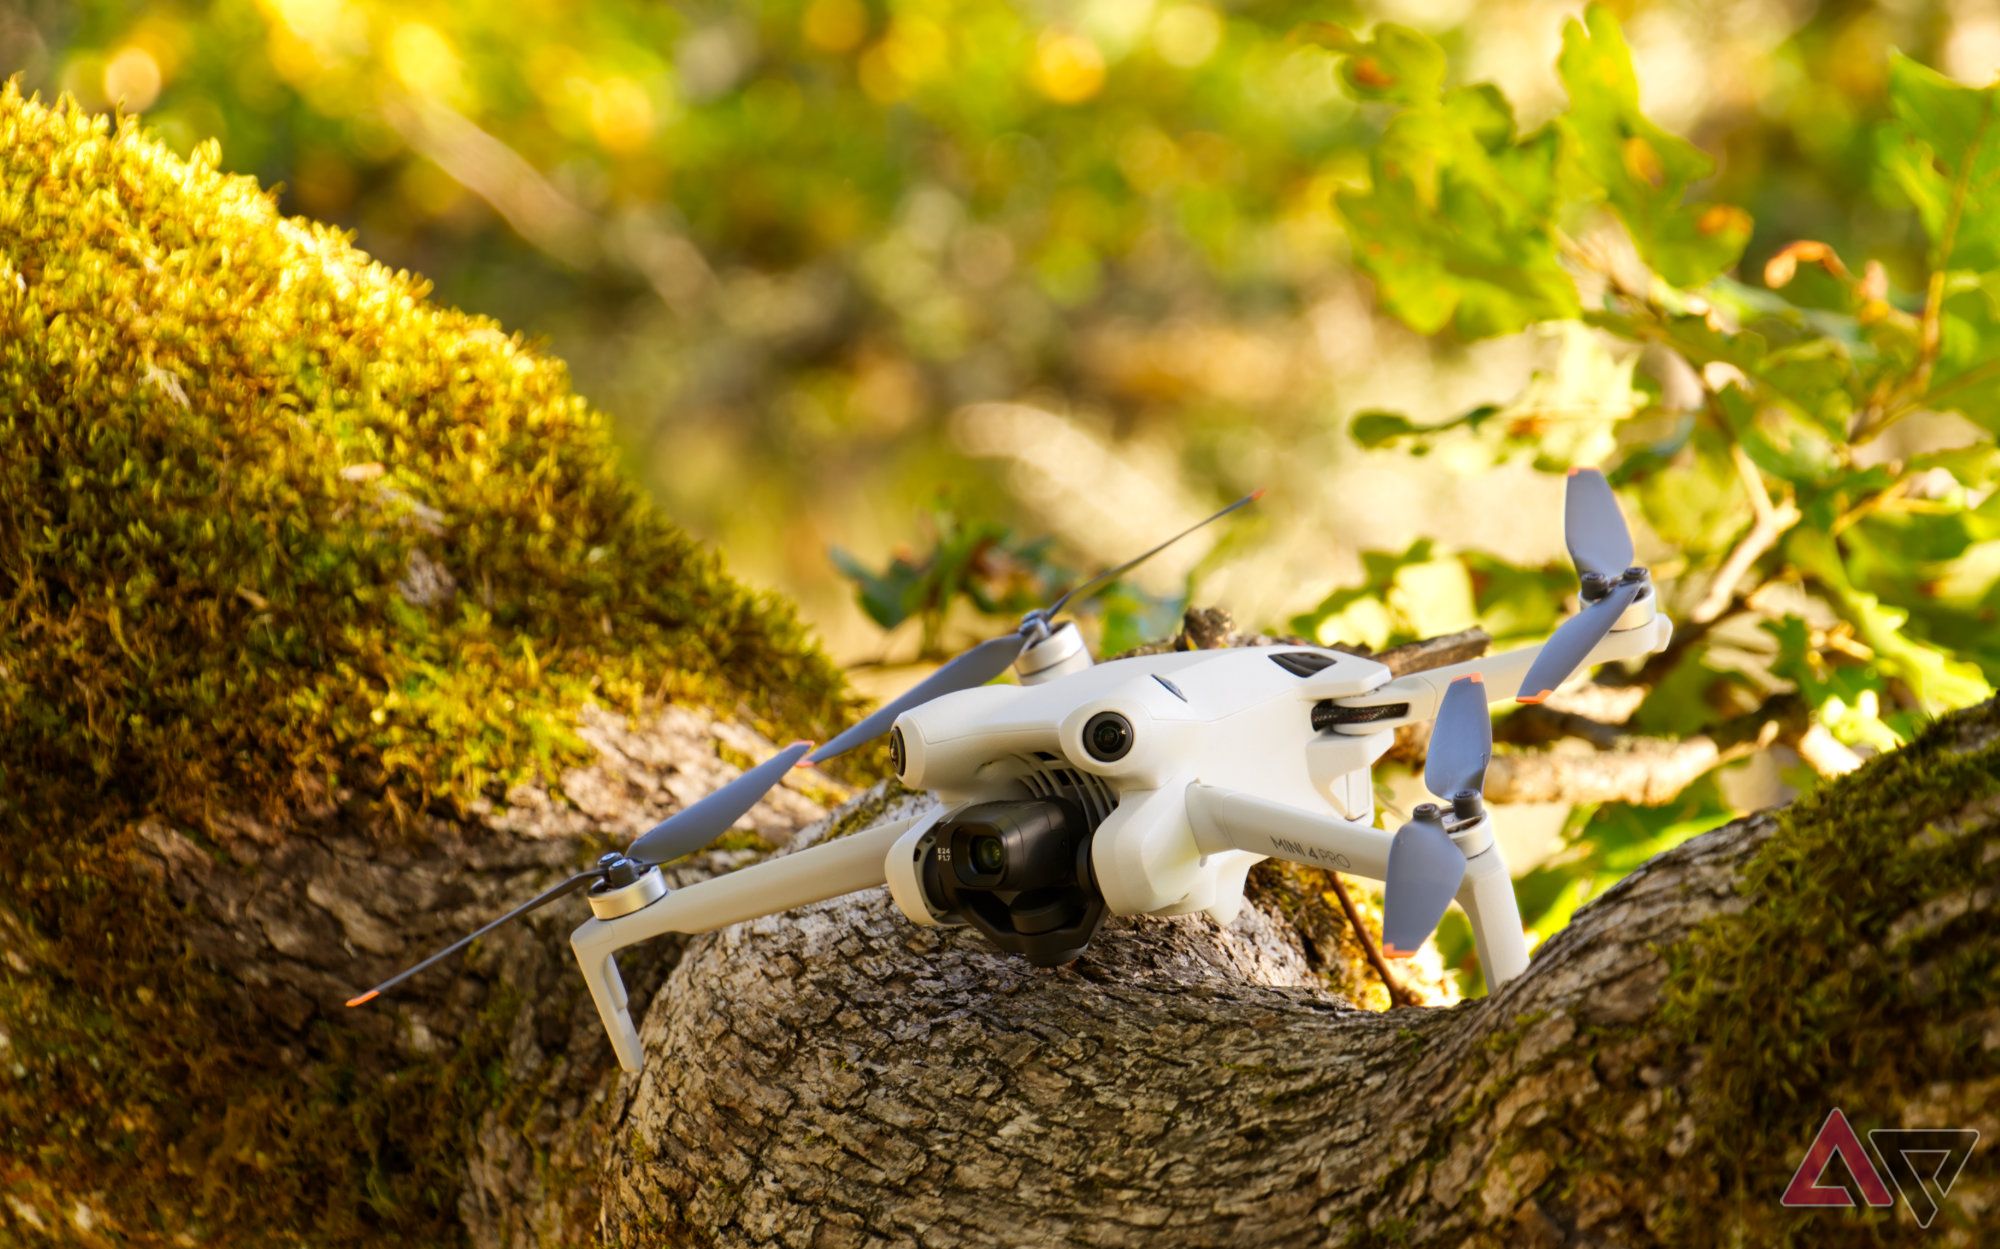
827	870
1501	675
1225	819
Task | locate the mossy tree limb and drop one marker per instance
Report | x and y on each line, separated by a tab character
843	1078
313	596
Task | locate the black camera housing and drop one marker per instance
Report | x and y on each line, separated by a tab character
1019	872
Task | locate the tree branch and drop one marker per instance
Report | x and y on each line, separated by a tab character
1652	771
841	1078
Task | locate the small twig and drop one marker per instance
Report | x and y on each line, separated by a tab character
1655	668
1398	995
1773	521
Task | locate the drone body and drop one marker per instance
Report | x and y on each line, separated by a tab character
1148	785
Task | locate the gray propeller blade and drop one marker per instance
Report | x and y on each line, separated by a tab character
969	670
1570	644
1593	527
1462	740
539	900
1425	868
694	826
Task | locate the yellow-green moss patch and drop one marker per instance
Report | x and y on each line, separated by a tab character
1821	993
277	535
266	514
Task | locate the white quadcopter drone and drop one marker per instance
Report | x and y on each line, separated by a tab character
1140	786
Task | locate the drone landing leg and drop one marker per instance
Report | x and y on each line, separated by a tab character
828	870
1487	898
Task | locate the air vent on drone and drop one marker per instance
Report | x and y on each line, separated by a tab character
1302	663
1044	779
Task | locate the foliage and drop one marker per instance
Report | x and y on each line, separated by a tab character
982	562
782	242
987	567
1812	550
279	538
792	234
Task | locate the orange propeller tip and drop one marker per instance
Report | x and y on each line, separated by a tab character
365	998
1534	700
1392	952
1258	493
1574	469
1476	678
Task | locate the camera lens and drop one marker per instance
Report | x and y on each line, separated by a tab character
988	855
898	755
1107	736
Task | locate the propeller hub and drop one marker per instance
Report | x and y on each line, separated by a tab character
1594	586
1467	805
1059	652
618	870
639	888
1426	811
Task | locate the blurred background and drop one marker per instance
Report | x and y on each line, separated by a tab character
1070	269
861	280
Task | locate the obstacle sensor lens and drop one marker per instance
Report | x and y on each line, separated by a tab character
1107	736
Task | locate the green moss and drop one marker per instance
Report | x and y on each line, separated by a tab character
266	512
1820	993
279	535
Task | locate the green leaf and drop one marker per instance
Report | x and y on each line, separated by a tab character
1456	226
1403	596
1374	429
1642	171
1944	154
1605	843
1396	64
1940	682
889	596
1966	377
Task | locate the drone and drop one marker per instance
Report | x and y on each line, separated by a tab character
1145	785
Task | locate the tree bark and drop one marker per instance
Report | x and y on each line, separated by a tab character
837	1076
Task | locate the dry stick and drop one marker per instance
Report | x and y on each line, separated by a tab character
1772	522
1652	771
1398	995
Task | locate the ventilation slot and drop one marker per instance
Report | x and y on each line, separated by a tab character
1302	663
1054	780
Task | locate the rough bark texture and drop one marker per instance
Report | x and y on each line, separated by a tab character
479	1086
838	1077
